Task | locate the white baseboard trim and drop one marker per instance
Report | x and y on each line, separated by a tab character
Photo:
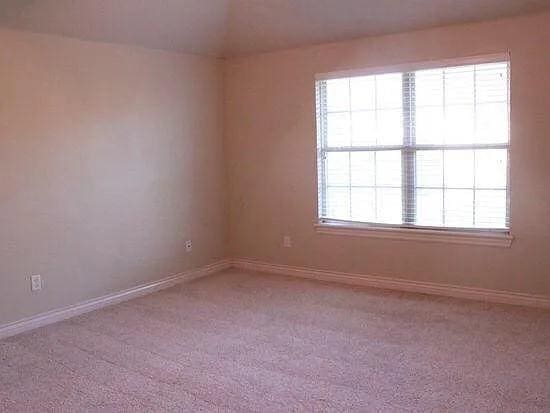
54	316
470	293
447	290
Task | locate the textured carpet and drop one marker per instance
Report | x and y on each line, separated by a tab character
239	341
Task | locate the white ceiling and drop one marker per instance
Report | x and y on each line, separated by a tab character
239	27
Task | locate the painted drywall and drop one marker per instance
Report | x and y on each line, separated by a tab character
110	159
271	166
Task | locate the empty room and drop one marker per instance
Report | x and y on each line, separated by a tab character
274	206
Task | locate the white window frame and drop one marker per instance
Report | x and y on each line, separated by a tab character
408	230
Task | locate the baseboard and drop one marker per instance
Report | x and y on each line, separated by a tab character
470	293
54	316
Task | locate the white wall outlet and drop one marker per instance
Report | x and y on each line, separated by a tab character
287	241
36	282
188	246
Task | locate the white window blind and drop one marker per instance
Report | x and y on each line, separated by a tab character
425	148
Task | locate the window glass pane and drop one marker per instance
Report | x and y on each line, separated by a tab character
363	128
459	207
429	88
363	204
459	168
338	95
459	124
389	91
338	203
363	93
388	205
491	168
390	127
429	207
459	86
429	125
429	168
491	82
338	129
388	168
492	123
337	169
490	209
362	168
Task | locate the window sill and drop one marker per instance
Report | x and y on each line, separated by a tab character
492	239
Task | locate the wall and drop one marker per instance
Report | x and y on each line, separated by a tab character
271	166
110	158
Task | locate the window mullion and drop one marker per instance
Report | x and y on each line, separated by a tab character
408	158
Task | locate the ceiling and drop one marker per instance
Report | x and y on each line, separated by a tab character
228	28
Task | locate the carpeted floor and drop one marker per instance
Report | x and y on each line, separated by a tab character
239	341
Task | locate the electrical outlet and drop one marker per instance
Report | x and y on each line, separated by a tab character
287	241
188	246
36	282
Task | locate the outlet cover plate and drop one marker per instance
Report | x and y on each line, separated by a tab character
189	246
36	282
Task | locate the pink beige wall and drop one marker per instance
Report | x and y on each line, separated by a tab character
271	173
110	158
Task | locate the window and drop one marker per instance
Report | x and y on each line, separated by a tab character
421	149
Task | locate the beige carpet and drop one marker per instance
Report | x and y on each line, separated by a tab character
251	342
